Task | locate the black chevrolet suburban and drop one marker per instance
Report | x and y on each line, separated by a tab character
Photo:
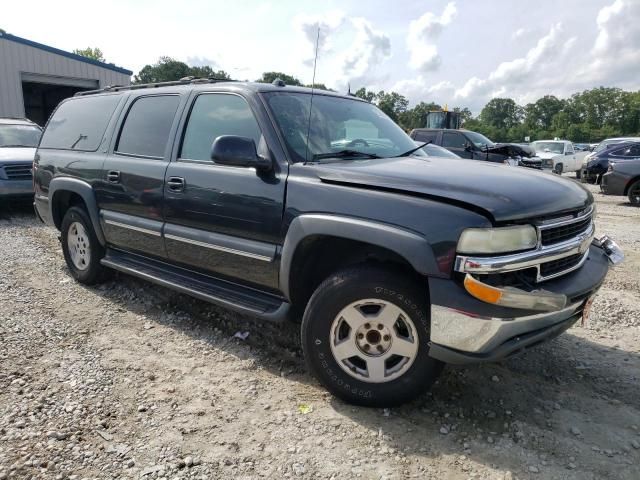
279	203
475	146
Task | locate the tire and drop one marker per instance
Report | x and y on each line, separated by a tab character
81	248
397	367
578	174
558	168
634	193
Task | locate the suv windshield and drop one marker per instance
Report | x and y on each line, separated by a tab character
19	136
479	140
551	147
337	125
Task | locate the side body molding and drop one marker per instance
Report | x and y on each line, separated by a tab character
82	188
409	245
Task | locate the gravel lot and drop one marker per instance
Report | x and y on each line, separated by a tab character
129	380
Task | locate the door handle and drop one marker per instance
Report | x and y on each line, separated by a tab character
113	176
176	184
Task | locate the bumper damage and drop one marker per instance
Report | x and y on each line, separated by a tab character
465	329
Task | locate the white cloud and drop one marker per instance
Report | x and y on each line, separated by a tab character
337	65
527	77
422	34
420	89
198	61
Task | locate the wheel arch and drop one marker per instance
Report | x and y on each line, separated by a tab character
328	242
66	192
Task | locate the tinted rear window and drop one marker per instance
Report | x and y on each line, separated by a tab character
80	123
146	128
425	136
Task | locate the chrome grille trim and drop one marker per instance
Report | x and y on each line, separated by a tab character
531	258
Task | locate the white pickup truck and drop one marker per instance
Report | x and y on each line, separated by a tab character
559	156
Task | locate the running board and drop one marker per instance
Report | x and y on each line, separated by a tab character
219	292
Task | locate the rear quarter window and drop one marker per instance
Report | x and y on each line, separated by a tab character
425	136
80	123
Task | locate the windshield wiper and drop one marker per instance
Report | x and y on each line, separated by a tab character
344	154
409	152
16	146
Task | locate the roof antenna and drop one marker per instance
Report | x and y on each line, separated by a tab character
313	83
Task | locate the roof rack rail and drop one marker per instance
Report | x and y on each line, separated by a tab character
139	86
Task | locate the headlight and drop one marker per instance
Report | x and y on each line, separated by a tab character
498	240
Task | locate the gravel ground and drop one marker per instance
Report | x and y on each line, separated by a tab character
129	380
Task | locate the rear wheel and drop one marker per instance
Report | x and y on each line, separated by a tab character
365	336
634	193
81	248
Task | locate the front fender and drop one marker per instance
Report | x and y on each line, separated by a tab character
85	191
411	246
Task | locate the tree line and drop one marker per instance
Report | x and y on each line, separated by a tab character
587	116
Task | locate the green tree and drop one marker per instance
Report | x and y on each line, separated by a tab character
416	117
269	77
365	94
168	69
93	53
540	113
392	103
501	113
465	114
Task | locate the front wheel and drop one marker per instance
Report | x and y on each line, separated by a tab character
559	168
578	174
634	193
365	336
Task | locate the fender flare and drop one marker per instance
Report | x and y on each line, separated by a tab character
82	188
413	247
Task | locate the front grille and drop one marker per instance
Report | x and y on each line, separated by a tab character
556	266
553	235
18	172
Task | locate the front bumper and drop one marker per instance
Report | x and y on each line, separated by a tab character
16	188
613	183
467	330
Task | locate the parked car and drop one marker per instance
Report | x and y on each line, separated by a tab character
598	164
235	193
623	178
599	147
474	145
582	147
18	141
432	150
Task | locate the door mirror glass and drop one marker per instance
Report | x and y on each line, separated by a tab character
237	151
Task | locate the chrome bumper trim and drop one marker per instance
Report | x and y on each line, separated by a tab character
457	330
529	259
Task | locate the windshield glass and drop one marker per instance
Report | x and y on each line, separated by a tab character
336	124
603	145
552	147
479	140
19	136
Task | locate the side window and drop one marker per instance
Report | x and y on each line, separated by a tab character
146	129
80	123
634	151
569	149
621	152
452	140
423	137
213	115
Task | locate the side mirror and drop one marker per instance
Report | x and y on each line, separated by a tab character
568	153
468	147
237	151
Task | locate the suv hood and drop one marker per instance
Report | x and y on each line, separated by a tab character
501	192
17	154
512	150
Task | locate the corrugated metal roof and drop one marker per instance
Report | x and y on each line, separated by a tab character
57	51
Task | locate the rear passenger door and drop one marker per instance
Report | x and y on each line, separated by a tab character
223	219
130	196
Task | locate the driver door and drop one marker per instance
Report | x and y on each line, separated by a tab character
222	219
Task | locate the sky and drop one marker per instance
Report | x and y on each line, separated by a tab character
459	52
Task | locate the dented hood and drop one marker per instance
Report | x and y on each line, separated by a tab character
502	192
512	150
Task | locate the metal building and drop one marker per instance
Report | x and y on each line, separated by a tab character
34	77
